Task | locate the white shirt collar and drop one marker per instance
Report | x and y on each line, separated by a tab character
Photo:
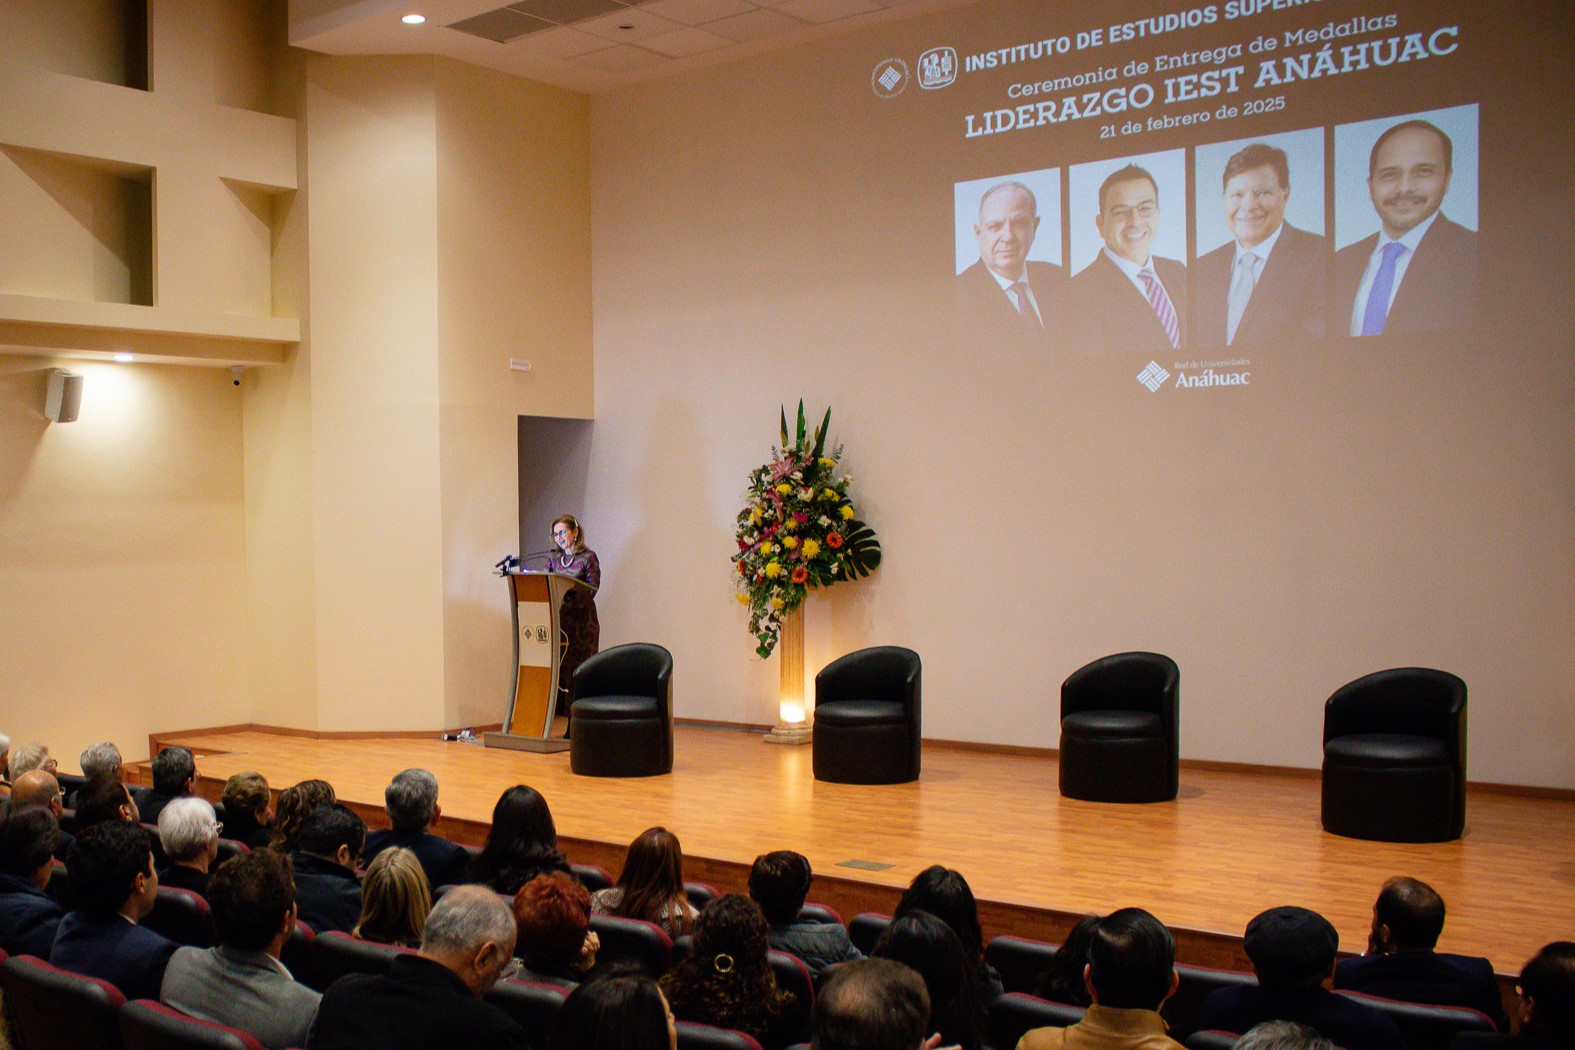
1411	238
1006	283
1264	247
1127	266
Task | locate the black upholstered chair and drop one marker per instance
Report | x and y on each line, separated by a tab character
1424	1026
592	876
533	1006
865	929
336	953
867	717
635	941
296	955
147	1025
183	917
622	715
1394	757
1014	1014
1211	1039
1020	961
51	1007
1120	729
1184	1010
693	1036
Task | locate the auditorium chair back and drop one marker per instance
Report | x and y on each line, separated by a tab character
147	1025
793	977
693	1036
592	876
643	944
335	953
183	917
229	848
297	956
1424	1026
50	1007
700	894
1015	1013
1185	1009
1020	961
820	913
533	1006
1211	1039
866	928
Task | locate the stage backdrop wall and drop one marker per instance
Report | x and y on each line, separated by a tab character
785	227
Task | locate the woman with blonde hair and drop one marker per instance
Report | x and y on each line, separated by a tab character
395	899
294	806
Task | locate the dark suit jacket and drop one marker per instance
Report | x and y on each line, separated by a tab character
988	319
28	917
327	895
1439	290
1113	317
1426	977
446	863
128	956
1345	1022
417	1005
1288	300
180	877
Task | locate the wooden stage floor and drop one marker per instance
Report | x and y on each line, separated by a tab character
1234	843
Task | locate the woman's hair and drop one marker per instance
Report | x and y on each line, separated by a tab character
245	794
944	893
653	879
618	1012
574	526
1063	977
928	945
551	914
727	979
296	803
522	842
395	899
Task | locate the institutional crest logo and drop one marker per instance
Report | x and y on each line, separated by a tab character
937	68
1153	377
890	77
541	634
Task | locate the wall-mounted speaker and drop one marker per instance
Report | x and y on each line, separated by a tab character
63	400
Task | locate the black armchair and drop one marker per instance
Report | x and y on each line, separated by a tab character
867	717
622	715
1121	729
1394	757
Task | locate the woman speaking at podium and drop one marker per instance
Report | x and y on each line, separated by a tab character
577	618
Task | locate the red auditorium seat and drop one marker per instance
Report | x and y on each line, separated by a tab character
147	1025
533	1006
50	1007
693	1036
644	944
335	954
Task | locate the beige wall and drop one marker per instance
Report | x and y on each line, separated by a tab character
772	230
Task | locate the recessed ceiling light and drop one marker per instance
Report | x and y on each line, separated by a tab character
413	20
124	358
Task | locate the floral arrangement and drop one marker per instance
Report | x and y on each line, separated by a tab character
798	530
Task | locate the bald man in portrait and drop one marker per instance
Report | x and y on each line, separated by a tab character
1004	301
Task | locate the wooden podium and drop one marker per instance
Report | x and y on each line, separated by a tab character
537	600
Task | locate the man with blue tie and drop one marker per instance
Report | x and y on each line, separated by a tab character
1418	272
1129	300
1004	301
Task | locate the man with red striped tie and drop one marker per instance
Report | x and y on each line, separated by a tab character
1129	300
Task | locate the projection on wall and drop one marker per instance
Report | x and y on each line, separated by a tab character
1182	192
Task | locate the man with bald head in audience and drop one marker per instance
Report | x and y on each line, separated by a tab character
41	789
871	1004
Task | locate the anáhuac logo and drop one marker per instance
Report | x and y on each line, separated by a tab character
541	635
937	68
1153	377
889	78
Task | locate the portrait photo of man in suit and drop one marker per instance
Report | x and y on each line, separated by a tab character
1418	272
1129	300
1267	283
1004	300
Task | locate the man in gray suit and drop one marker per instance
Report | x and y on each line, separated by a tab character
242	983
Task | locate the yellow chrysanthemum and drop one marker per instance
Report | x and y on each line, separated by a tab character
847	512
827	463
811	548
791	524
773	570
790	542
743	599
766	547
784	488
777	603
829	494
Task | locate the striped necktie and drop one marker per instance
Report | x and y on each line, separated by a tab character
1162	307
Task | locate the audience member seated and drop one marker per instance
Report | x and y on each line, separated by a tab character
411	800
1282	1035
555	944
521	844
112	878
1401	964
27	758
248	810
395	899
929	946
945	894
1292	951
1131	971
189	834
1063	980
617	1012
327	892
651	885
872	1004
430	1000
727	980
242	983
103	760
5	762
174	771
105	800
296	804
778	883
28	916
1547	1005
41	789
